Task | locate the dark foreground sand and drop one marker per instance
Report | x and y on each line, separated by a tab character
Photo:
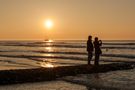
48	85
47	74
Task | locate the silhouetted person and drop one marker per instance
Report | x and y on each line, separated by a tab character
98	52
89	49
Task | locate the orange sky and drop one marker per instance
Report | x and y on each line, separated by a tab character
73	19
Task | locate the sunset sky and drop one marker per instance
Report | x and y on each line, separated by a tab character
72	19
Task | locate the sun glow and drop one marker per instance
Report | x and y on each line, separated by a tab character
48	24
50	40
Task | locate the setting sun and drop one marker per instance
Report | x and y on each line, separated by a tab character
48	24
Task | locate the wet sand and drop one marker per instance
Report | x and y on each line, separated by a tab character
52	73
51	85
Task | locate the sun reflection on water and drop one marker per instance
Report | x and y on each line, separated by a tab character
48	55
46	65
49	48
50	40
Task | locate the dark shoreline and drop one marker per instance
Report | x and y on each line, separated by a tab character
47	74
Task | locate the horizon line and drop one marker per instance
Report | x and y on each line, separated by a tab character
63	39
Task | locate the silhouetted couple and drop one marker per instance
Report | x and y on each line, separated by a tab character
91	46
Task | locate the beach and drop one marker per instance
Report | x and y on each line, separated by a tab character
52	73
51	85
40	63
67	44
80	77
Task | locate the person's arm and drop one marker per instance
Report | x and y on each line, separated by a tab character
100	42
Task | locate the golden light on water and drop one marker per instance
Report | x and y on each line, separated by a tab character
48	55
50	40
48	24
48	48
49	65
46	65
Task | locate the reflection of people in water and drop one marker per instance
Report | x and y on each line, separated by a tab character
98	52
89	49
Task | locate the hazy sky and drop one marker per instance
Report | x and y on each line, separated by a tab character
73	19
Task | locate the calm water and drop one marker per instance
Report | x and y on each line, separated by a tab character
33	54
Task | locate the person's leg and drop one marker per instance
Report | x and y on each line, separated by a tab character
89	57
96	59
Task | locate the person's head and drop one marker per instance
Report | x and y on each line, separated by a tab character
90	37
96	38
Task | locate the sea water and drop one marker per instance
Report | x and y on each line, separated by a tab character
34	54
